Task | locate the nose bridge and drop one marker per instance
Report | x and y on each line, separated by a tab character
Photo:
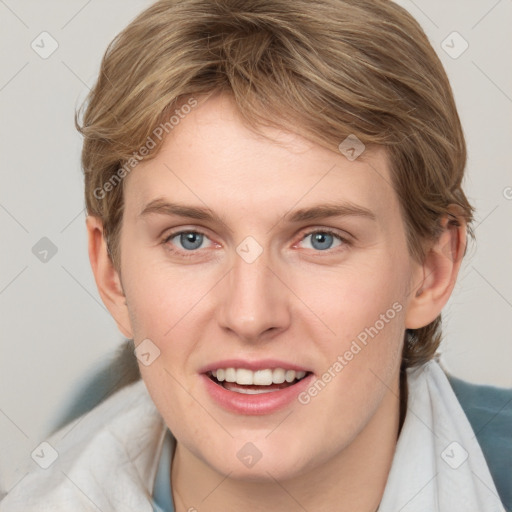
255	301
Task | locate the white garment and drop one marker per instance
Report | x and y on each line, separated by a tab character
430	471
107	461
108	458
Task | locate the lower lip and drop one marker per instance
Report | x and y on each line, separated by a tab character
262	403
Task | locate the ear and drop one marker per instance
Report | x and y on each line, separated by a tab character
107	278
438	274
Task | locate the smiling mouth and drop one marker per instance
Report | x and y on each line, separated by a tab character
242	380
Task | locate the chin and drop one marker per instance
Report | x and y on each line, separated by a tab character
262	460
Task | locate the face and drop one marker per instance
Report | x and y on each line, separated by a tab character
247	262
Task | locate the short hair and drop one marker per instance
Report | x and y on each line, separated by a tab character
324	68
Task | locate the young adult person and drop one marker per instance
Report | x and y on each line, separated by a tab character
276	219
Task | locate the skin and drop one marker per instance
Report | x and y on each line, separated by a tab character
295	302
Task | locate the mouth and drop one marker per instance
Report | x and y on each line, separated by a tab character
246	387
249	382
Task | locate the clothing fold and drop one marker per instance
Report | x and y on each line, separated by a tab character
438	464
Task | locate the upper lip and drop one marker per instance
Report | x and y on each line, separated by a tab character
260	364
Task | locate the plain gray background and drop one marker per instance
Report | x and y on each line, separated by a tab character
55	330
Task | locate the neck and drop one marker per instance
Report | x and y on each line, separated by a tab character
353	479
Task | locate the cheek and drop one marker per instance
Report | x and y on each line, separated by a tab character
161	298
364	311
166	306
351	300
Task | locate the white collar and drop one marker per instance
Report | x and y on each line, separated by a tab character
438	464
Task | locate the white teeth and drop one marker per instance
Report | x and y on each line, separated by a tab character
265	377
253	391
262	378
230	375
278	376
289	376
244	377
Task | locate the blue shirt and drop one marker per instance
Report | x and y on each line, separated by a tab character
162	497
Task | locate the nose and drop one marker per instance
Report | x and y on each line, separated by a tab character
255	301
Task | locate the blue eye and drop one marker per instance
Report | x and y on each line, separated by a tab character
323	240
189	240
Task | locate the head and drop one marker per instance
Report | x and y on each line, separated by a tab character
249	123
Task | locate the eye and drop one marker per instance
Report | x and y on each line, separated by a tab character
188	240
322	240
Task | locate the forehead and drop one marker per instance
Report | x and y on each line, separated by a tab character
211	158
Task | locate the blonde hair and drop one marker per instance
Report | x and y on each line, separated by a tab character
331	67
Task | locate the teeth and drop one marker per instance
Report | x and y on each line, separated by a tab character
265	377
244	377
262	378
278	376
230	375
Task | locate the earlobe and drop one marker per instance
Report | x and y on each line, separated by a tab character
438	275
106	276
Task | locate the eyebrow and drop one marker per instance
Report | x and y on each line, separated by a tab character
164	207
322	211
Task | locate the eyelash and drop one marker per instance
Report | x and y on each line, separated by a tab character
187	254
